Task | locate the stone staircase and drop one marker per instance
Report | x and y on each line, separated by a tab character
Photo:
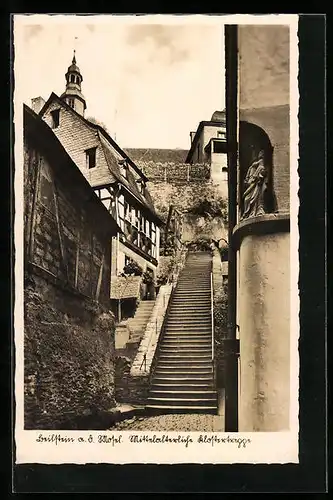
183	379
138	323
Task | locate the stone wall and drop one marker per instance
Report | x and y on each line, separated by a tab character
175	172
68	328
61	236
68	356
187	196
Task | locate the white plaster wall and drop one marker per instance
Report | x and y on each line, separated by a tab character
263	65
124	250
264	320
220	178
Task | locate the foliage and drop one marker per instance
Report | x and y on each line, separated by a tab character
147	278
132	269
68	360
98	122
170	266
210	205
199	245
220	312
195	198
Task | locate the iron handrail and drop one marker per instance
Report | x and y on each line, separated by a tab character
173	282
212	317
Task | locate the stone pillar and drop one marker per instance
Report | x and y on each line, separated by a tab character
264	322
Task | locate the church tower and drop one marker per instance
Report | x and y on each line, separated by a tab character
73	95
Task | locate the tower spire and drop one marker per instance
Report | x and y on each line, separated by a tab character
73	95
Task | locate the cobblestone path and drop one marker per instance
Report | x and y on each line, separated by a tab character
174	422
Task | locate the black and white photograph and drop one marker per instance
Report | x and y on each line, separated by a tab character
156	200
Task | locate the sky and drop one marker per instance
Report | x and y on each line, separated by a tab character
150	81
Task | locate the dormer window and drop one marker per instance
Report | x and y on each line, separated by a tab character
141	185
123	167
90	158
55	116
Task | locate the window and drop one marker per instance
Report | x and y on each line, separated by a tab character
219	147
123	167
72	78
77	80
91	158
128	260
55	115
221	135
71	103
153	233
141	185
143	224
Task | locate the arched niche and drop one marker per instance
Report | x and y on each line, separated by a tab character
256	192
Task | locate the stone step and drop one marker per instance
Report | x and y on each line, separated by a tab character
188	327
174	356
190	306
179	321
182	387
188	298
192	313
184	378
187	345
179	394
196	370
190	301
188	342
185	351
184	402
186	339
184	366
155	409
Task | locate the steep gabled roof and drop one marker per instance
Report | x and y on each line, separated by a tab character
130	182
54	96
113	174
49	145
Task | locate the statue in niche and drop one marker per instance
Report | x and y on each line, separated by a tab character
255	186
256	172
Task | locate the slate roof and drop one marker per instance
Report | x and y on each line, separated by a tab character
125	287
42	136
157	155
99	177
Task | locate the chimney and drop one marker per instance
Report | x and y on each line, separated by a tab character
37	103
192	134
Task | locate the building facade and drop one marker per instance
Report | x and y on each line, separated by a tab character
68	326
116	179
208	145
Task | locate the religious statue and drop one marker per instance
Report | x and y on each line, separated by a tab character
255	185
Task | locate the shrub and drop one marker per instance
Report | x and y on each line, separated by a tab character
132	269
